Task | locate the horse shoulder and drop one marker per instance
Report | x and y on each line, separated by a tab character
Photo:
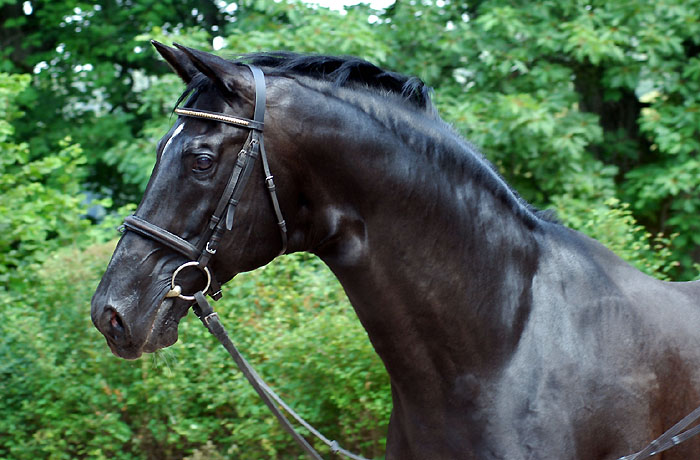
604	344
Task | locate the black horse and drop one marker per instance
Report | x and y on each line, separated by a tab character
506	335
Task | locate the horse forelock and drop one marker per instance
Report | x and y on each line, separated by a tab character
199	84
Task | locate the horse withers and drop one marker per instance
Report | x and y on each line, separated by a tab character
505	334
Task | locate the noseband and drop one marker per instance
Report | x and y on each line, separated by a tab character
222	220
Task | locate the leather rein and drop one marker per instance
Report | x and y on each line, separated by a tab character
201	254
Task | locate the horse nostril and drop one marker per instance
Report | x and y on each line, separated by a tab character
114	325
116	322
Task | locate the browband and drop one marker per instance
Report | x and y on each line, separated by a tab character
220	117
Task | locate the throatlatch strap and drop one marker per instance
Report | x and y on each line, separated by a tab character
271	188
259	116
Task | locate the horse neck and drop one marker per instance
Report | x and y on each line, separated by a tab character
436	264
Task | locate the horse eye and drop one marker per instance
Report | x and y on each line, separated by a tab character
203	163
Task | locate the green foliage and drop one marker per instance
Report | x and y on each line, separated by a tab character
65	396
584	101
89	62
612	223
293	25
41	205
568	99
550	137
134	158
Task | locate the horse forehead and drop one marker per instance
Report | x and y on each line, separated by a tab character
175	133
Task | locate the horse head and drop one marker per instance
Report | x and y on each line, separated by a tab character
158	262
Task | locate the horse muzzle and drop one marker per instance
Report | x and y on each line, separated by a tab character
130	340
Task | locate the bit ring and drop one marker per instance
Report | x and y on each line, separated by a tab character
176	290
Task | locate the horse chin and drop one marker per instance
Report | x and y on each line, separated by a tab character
163	340
165	326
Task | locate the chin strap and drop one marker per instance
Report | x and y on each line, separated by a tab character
210	319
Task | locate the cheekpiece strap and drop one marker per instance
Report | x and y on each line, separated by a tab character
260	96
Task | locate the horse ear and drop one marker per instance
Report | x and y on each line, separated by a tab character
177	60
226	75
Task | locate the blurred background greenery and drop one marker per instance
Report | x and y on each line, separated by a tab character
590	108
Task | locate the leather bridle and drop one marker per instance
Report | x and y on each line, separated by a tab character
222	220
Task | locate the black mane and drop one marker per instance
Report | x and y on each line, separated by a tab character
343	71
338	70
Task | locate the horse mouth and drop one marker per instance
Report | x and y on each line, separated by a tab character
164	330
161	333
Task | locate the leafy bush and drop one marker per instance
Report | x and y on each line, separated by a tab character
41	208
562	94
612	223
65	396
